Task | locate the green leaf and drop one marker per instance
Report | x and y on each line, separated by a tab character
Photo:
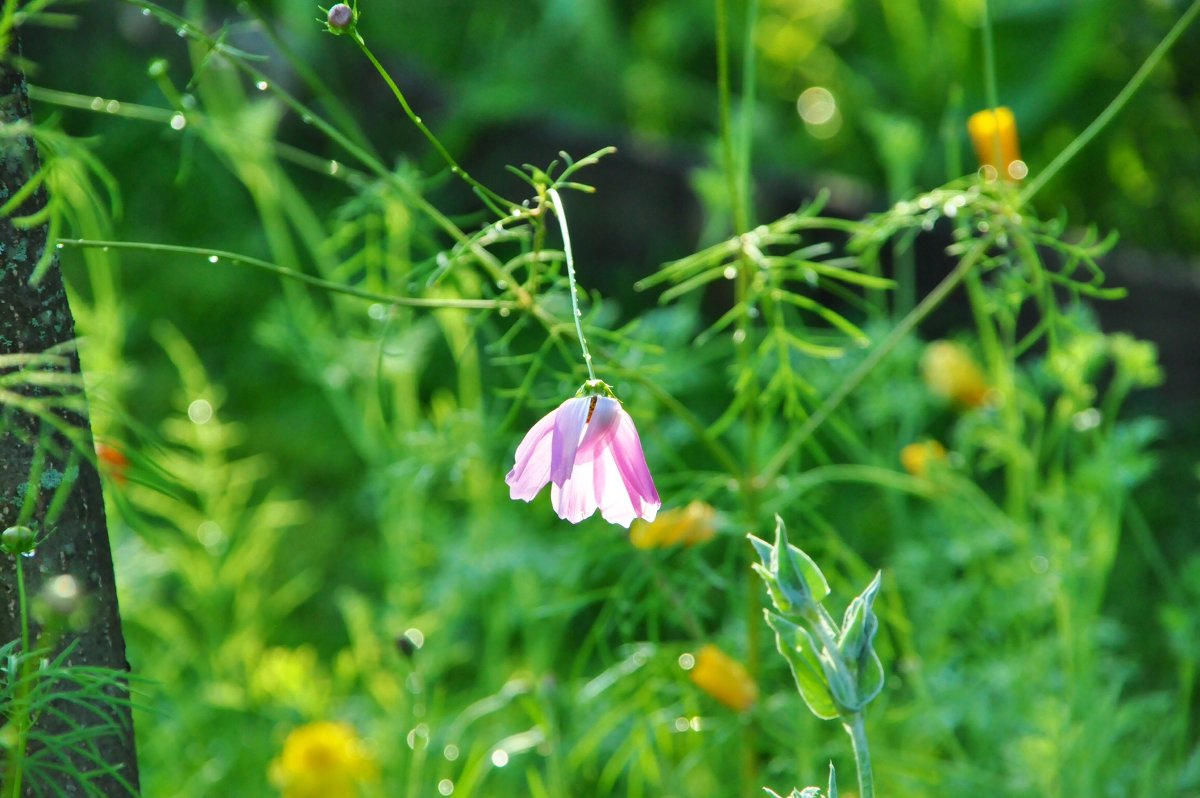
798	648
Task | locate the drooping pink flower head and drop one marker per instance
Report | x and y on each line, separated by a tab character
589	449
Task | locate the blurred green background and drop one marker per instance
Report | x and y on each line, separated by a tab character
299	537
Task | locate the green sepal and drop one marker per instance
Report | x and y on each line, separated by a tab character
798	648
859	624
832	781
793	579
856	646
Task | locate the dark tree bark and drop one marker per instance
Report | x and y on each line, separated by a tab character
34	318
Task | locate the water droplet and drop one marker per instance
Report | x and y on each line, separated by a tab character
687	661
188	101
418	737
334	167
262	85
1039	564
145	12
695	724
97	103
200	411
501	284
306	119
416	636
213	259
112	107
579	313
730	272
29	553
499	757
180	32
739	336
950	209
59	245
504	312
752	312
1017	170
1085	420
681	724
178	122
450	752
445	787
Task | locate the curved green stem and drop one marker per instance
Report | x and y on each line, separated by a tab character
434	140
1118	103
217	255
575	312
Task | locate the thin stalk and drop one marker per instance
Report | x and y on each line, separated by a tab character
20	706
989	84
927	305
434	140
736	182
575	312
1115	107
856	728
317	282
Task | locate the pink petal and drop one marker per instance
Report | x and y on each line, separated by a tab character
569	422
612	497
532	469
631	463
575	499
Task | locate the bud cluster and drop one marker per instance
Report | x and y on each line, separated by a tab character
835	665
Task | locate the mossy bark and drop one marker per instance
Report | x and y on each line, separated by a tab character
35	318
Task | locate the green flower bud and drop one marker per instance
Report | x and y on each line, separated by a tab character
18	540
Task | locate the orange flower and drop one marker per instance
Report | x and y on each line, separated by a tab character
951	372
724	678
322	760
916	457
994	134
684	526
112	462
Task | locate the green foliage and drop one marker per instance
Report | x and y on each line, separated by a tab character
314	523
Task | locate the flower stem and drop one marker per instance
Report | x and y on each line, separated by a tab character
1118	103
575	313
239	259
20	706
856	728
485	192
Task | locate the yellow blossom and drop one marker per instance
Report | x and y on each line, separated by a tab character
724	678
916	457
322	760
987	129
684	526
951	372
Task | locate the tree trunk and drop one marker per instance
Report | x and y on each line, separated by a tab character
73	540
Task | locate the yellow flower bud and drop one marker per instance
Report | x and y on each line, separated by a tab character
951	372
994	134
724	678
916	457
684	526
322	760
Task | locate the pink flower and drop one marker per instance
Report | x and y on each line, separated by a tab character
589	448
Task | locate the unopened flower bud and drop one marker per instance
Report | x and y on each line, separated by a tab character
18	540
340	18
